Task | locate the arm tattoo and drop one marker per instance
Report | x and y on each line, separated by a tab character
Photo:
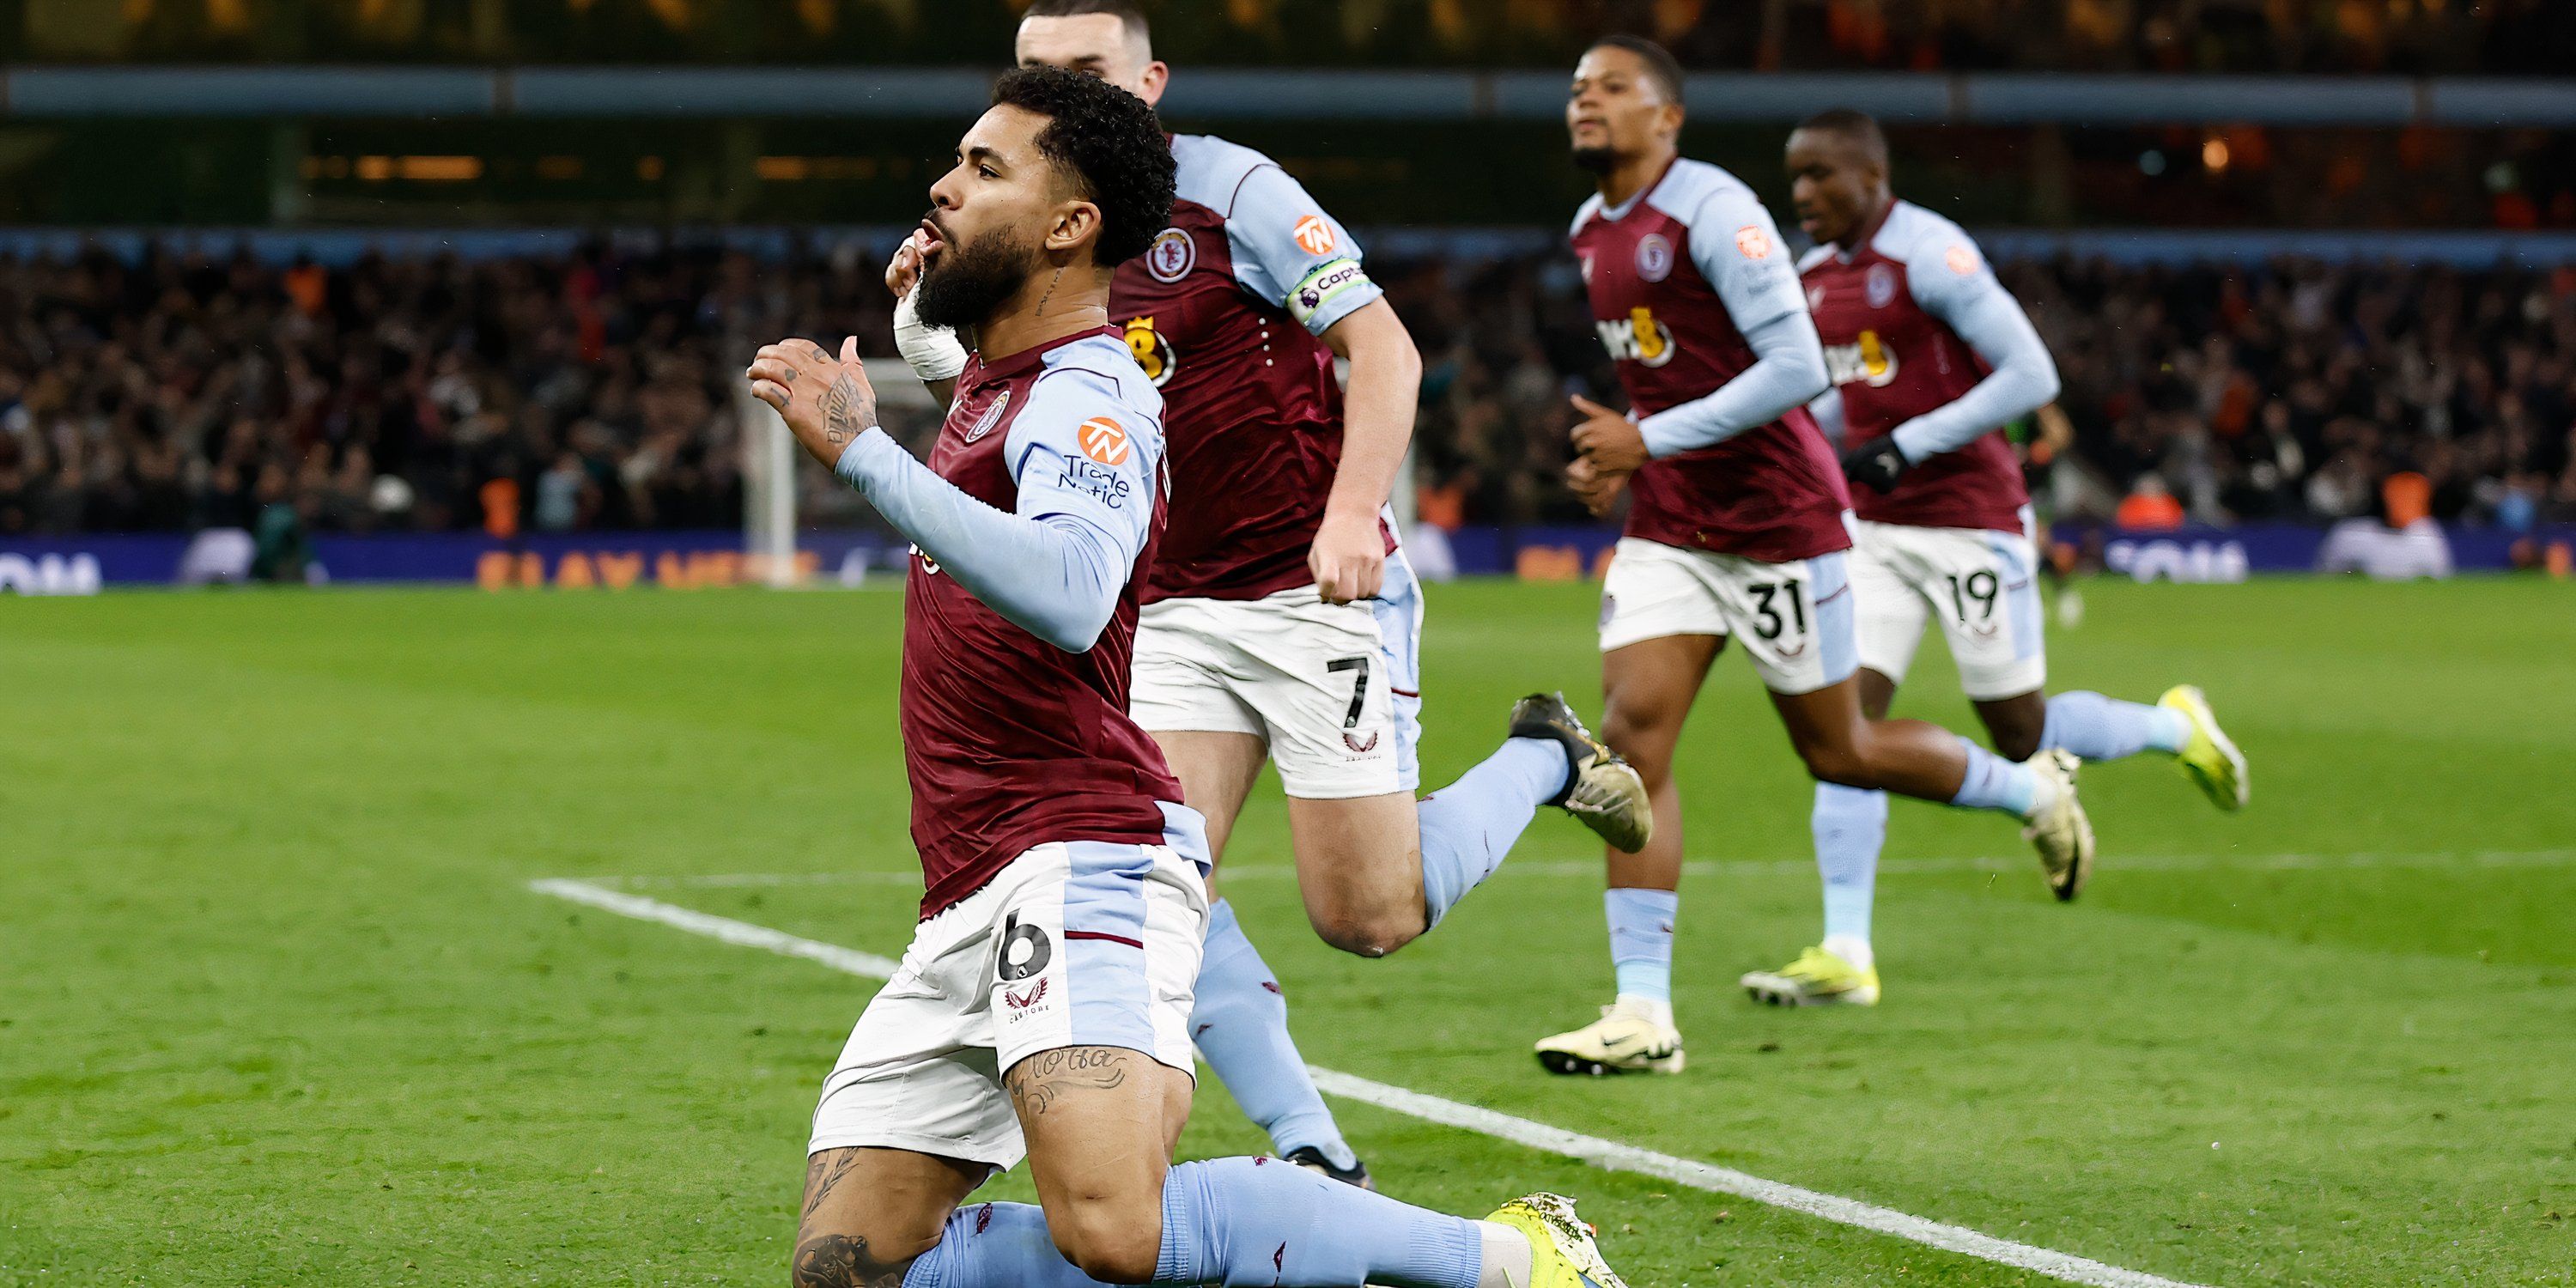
1042	1080
824	1171
843	409
844	1261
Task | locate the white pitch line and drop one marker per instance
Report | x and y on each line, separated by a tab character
1599	1152
849	961
2295	862
1619	1157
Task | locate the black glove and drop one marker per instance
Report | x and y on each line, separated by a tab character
1876	463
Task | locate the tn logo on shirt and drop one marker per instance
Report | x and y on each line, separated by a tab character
1638	338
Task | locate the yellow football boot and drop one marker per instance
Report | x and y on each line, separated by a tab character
1630	1037
1817	978
2061	833
1603	793
2210	758
1563	1253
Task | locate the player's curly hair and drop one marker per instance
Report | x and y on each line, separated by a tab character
1109	143
1661	67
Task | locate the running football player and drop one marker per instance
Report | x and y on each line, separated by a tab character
1736	527
1930	356
1280	622
1042	1010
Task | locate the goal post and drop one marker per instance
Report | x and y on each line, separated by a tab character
773	467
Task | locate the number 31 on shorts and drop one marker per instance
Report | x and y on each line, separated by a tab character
1770	600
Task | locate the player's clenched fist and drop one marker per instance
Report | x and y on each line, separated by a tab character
826	402
1597	490
1348	559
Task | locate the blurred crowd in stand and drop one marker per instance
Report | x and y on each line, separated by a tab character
599	390
2508	37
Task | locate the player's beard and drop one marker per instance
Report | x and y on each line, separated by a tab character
965	283
1596	160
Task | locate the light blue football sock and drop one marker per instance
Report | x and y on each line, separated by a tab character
2099	728
1641	940
1247	1221
1240	1022
990	1245
1996	783
1253	1221
1850	826
1469	825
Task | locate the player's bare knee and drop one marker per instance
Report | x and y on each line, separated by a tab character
1112	1241
1363	932
1365	922
1840	764
1644	739
2015	744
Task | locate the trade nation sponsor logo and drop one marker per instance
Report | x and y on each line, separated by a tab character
1104	440
1314	236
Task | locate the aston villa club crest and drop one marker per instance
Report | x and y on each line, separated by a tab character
1171	256
992	416
1654	258
1881	285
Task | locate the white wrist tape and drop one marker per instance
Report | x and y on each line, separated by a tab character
932	351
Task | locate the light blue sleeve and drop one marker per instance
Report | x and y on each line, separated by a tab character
1788	370
1288	251
2023	377
1827	408
1735	245
1086	461
1737	248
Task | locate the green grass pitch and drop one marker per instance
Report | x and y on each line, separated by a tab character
277	1006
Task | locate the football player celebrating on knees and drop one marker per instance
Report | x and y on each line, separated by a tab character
1279	620
1042	1010
1736	527
1930	356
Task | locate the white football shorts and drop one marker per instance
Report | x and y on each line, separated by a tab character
1982	586
1794	620
1076	943
1335	689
